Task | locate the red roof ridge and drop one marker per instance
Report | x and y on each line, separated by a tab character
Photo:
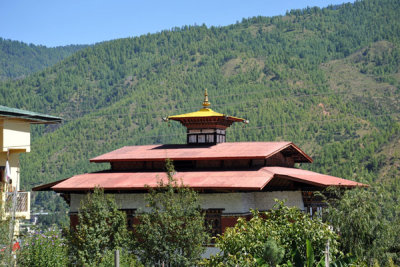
228	150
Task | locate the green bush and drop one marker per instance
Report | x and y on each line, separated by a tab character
126	259
46	248
273	237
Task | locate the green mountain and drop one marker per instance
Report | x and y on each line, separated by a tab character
326	79
18	59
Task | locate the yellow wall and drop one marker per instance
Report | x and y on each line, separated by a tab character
16	135
14	139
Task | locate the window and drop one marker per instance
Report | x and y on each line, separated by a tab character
313	204
2	179
2	174
205	136
210	138
130	216
201	138
213	221
192	138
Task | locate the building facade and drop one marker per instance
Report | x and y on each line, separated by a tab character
231	178
14	140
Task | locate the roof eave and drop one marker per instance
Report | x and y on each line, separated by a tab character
295	179
37	119
172	158
47	187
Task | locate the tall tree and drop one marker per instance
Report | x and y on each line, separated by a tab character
101	228
172	231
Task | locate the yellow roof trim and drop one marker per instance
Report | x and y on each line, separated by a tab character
204	112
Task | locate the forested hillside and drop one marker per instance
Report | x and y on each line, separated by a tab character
326	79
18	59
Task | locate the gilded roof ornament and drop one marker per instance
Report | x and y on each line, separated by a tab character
206	103
205	113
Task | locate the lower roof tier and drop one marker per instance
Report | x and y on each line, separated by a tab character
246	180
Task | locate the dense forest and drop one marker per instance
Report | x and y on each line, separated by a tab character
18	59
327	79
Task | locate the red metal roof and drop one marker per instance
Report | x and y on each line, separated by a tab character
310	177
231	180
241	180
238	150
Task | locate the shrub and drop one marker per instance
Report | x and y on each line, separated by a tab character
273	237
45	248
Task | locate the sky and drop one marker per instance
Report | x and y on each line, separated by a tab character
64	22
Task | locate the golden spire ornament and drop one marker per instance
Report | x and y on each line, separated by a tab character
205	126
206	103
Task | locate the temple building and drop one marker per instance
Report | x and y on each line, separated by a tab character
231	177
14	140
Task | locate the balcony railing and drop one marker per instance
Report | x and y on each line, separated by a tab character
22	204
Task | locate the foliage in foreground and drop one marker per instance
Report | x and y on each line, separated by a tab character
272	237
4	232
172	231
126	259
101	228
42	249
368	223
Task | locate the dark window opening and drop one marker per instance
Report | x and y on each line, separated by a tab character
130	216
182	164
213	221
313	204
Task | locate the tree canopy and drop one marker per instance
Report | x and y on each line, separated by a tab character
101	229
172	231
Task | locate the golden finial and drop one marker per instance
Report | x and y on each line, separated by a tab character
205	102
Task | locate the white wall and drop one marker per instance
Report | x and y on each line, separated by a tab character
266	200
230	202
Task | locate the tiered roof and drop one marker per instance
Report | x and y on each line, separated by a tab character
250	177
238	180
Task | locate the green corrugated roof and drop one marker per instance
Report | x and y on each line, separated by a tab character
28	115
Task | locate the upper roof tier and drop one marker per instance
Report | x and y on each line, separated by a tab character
206	118
237	150
203	113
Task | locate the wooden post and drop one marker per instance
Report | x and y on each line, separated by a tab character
327	250
327	254
116	258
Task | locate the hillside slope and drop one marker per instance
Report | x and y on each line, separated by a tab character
326	79
18	59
